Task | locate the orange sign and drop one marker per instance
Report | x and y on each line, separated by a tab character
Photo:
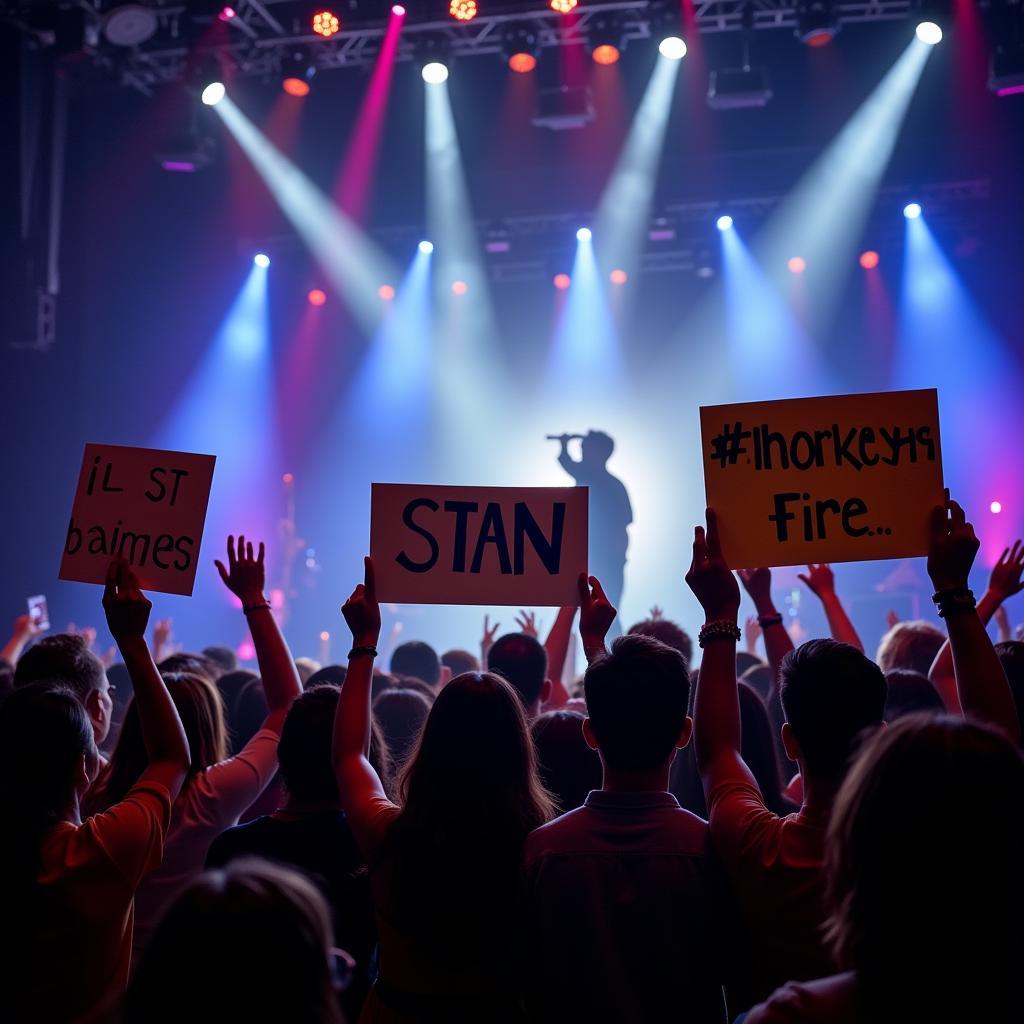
478	545
143	505
838	479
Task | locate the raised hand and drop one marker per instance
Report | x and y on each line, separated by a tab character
361	611
952	547
527	623
596	613
1005	580
245	575
126	607
163	631
820	580
710	579
487	640
892	618
1002	621
751	633
657	614
758	584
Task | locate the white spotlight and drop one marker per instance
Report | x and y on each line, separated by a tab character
724	222
912	211
583	235
261	259
928	32
426	247
213	94
672	47
434	73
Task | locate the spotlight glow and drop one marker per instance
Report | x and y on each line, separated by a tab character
398	11
261	259
996	507
605	54
434	73
618	277
724	222
226	13
426	247
912	211
459	287
522	63
928	32
869	259
386	292
295	86
797	265
672	47
326	23
463	10
213	94
562	281
583	235
316	297
562	6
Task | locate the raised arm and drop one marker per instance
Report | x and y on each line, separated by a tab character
245	577
163	736
777	641
596	616
358	783
21	634
981	683
557	647
821	582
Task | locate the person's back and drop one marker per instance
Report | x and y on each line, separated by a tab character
628	917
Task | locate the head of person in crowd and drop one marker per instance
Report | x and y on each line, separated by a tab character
221	658
230	685
252	941
1011	656
831	694
381	682
523	662
121	690
757	745
400	713
470	793
759	677
248	713
458	661
416	658
413	683
596	448
912	645
745	661
668	632
910	692
333	675
304	750
6	679
569	768
929	915
306	667
202	715
66	659
191	664
637	700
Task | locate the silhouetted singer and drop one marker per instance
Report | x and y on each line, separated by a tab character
610	510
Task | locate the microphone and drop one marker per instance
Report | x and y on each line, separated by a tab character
563	437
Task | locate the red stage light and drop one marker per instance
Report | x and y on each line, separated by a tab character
295	86
562	6
386	292
463	10
618	277
869	259
605	54
317	297
797	265
287	479
522	62
226	13
562	281
326	23
821	37
459	287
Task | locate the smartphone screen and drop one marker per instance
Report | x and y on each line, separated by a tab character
37	612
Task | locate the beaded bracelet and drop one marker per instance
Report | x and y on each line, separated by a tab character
720	630
358	652
955	601
249	608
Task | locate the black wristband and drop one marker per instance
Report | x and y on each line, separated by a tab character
721	629
769	620
359	652
248	609
955	601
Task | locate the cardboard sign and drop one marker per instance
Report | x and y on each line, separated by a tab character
840	479
478	545
143	505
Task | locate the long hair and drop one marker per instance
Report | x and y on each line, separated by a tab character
201	710
924	876
470	794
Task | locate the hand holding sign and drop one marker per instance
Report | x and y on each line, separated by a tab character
126	607
245	575
952	547
709	577
361	611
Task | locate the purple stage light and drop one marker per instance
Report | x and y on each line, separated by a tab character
178	166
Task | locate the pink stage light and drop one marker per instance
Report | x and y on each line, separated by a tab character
996	507
459	287
869	259
316	297
226	13
386	292
562	281
797	265
398	11
618	277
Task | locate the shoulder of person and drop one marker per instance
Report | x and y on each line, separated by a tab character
830	1000
550	836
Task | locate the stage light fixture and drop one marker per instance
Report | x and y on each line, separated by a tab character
386	292
295	86
226	13
326	23
297	74
929	32
583	235
459	287
618	277
522	63
398	10
869	260
261	259
724	222
816	22
562	6
912	211
426	247
606	54
435	73
316	296
672	48
604	37
213	94
797	264
562	281
520	48
996	507
463	10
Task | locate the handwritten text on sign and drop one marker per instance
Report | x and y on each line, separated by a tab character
833	479
478	545
143	505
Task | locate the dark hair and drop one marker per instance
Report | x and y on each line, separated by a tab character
230	685
248	713
911	645
830	693
598	443
304	750
64	656
122	689
1011	656
745	661
249	942
909	692
459	661
186	663
333	675
470	795
382	682
569	768
223	657
6	679
418	659
202	716
637	699
521	660
425	690
927	908
401	712
759	677
669	633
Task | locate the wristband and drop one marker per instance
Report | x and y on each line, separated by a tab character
359	652
769	620
722	629
955	601
248	609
